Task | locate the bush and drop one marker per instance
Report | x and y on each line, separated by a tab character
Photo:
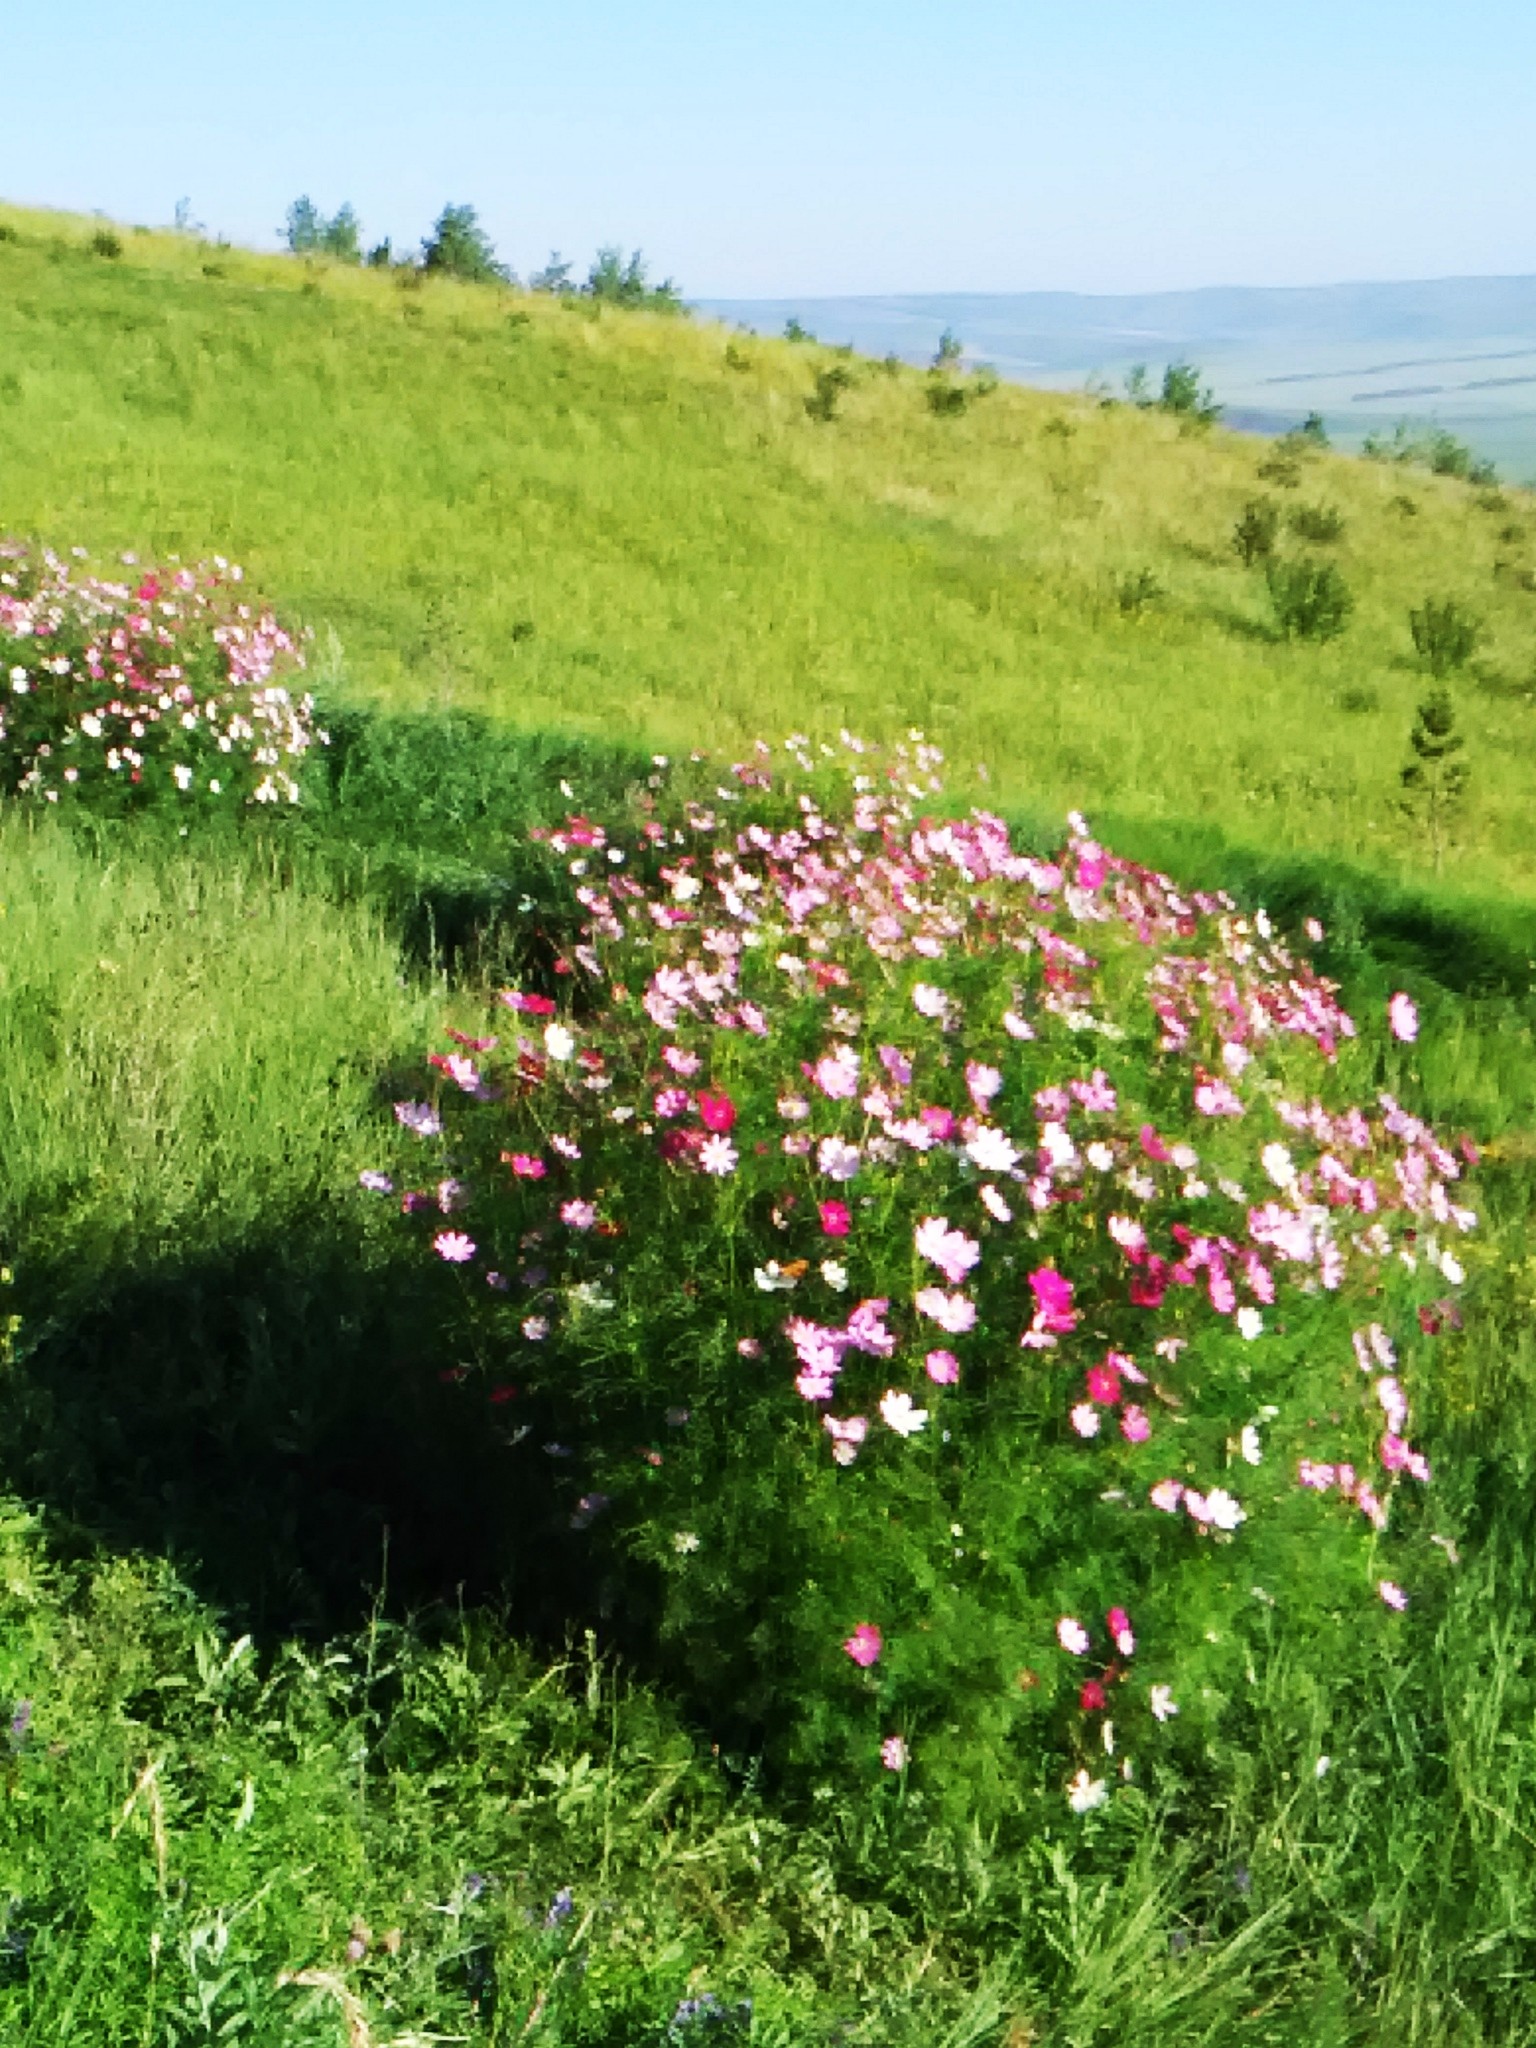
1253	537
459	247
793	331
308	233
831	383
1182	395
105	243
1445	634
613	282
165	685
1433	449
945	396
1319	523
1311	599
1136	590
946	1281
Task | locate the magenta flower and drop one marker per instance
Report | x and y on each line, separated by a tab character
1403	1016
525	1166
1118	1622
716	1112
1053	1298
836	1219
454	1246
865	1644
1104	1382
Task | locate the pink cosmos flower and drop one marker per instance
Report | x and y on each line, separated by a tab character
532	1006
1216	1098
454	1246
950	1250
896	1064
419	1117
1053	1298
1072	1636
525	1165
375	1182
992	1150
865	1644
716	1112
683	1063
1134	1425
894	1753
836	1074
1118	1622
954	1313
566	1147
1104	1382
793	1108
942	1367
1097	1095
930	1001
836	1219
670	1102
1153	1145
579	1215
1403	1016
749	1347
1091	1696
1085	1419
1393	1595
535	1328
1128	1234
994	1204
939	1123
1016	1026
1166	1495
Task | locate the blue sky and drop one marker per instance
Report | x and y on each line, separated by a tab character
800	149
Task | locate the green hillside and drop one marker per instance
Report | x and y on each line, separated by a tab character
317	1725
631	524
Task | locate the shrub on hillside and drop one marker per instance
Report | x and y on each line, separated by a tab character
1311	599
167	683
459	247
1445	634
613	282
831	383
1321	524
308	232
1434	778
969	1296
1253	537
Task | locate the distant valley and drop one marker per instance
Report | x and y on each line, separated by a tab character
1458	352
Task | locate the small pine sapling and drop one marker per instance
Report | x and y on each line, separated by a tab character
1253	537
1434	778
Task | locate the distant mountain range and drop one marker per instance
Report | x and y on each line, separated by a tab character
1460	351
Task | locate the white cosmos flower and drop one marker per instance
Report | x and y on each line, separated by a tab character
898	1413
992	1150
1084	1794
1162	1702
1250	1323
558	1042
717	1155
1279	1165
1252	1447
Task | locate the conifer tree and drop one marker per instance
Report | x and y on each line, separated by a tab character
1434	778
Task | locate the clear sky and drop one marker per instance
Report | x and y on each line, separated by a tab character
798	148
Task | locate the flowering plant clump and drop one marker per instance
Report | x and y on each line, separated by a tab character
965	1283
167	680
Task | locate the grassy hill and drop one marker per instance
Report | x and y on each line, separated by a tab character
295	1755
630	524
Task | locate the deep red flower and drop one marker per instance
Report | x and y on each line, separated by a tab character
1091	1698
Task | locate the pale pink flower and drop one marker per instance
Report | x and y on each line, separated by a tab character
846	1436
793	1108
1072	1636
419	1117
898	1413
1085	1419
954	1313
670	1102
579	1215
1118	1622
930	1001
1086	1794
896	1064
535	1328
866	1330
454	1246
837	1074
1403	1016
375	1182
942	1367
749	1347
1134	1425
950	1250
1097	1095
994	1204
1215	1098
837	1159
1017	1026
1394	1595
894	1753
681	1062
1166	1495
982	1081
864	1645
1127	1233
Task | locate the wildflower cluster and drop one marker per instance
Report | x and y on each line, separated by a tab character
162	681
962	1280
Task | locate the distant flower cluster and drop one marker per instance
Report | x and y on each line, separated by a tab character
160	681
990	1239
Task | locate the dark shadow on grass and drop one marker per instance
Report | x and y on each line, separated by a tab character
272	1418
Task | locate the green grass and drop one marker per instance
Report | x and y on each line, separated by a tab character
222	1409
